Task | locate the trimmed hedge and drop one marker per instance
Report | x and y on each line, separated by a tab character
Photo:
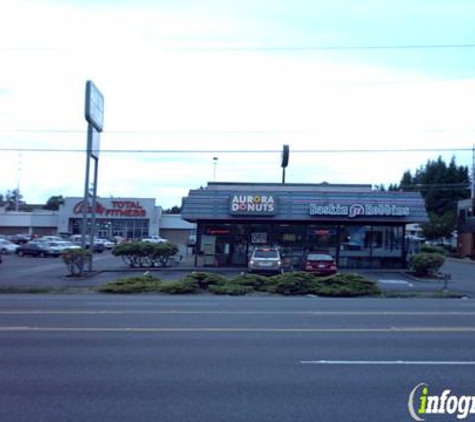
145	254
288	284
433	249
138	284
426	263
76	260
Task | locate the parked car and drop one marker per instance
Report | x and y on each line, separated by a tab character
154	239
7	247
19	239
98	246
38	248
63	245
265	260
51	238
320	264
106	242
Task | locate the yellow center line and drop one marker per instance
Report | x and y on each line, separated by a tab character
8	329
309	313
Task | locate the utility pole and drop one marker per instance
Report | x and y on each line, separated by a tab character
473	175
472	193
17	196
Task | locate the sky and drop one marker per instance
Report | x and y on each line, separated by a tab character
186	81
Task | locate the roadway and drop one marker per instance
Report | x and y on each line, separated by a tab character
205	358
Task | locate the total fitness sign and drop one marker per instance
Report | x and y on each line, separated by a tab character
252	204
114	208
359	210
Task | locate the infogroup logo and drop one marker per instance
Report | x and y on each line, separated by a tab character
421	403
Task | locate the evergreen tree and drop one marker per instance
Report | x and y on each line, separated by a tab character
441	186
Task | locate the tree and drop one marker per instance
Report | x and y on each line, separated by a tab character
439	226
173	210
441	186
14	197
54	202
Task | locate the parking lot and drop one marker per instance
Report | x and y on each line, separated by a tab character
22	272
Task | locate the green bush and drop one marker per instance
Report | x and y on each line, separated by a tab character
337	285
347	285
425	263
137	284
145	254
205	280
180	287
295	283
433	249
231	289
254	281
76	260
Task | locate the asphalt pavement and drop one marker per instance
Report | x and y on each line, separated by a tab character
27	272
158	358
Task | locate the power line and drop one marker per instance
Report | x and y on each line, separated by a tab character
273	48
324	48
236	151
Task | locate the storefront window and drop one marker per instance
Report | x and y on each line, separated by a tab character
387	245
355	247
352	246
127	228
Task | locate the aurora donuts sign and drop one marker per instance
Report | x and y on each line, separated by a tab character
254	204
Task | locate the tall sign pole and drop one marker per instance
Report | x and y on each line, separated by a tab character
94	113
284	161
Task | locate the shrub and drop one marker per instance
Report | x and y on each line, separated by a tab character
347	285
295	283
131	253
254	281
337	285
433	249
205	280
231	289
145	254
424	263
180	287
76	260
138	284
162	252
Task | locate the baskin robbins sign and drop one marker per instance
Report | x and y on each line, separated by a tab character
255	204
359	210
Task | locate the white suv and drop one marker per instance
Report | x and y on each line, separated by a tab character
265	260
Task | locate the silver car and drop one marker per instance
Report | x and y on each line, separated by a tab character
7	246
265	260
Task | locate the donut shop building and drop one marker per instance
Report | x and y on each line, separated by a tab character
359	227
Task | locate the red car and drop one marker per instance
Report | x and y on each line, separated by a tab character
320	264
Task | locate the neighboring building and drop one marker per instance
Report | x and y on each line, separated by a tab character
36	222
178	231
130	218
359	227
466	228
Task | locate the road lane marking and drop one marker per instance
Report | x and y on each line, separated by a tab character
384	362
9	329
396	282
176	312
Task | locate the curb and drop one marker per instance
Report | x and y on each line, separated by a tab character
463	261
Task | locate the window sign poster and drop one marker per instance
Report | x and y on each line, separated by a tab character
259	238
